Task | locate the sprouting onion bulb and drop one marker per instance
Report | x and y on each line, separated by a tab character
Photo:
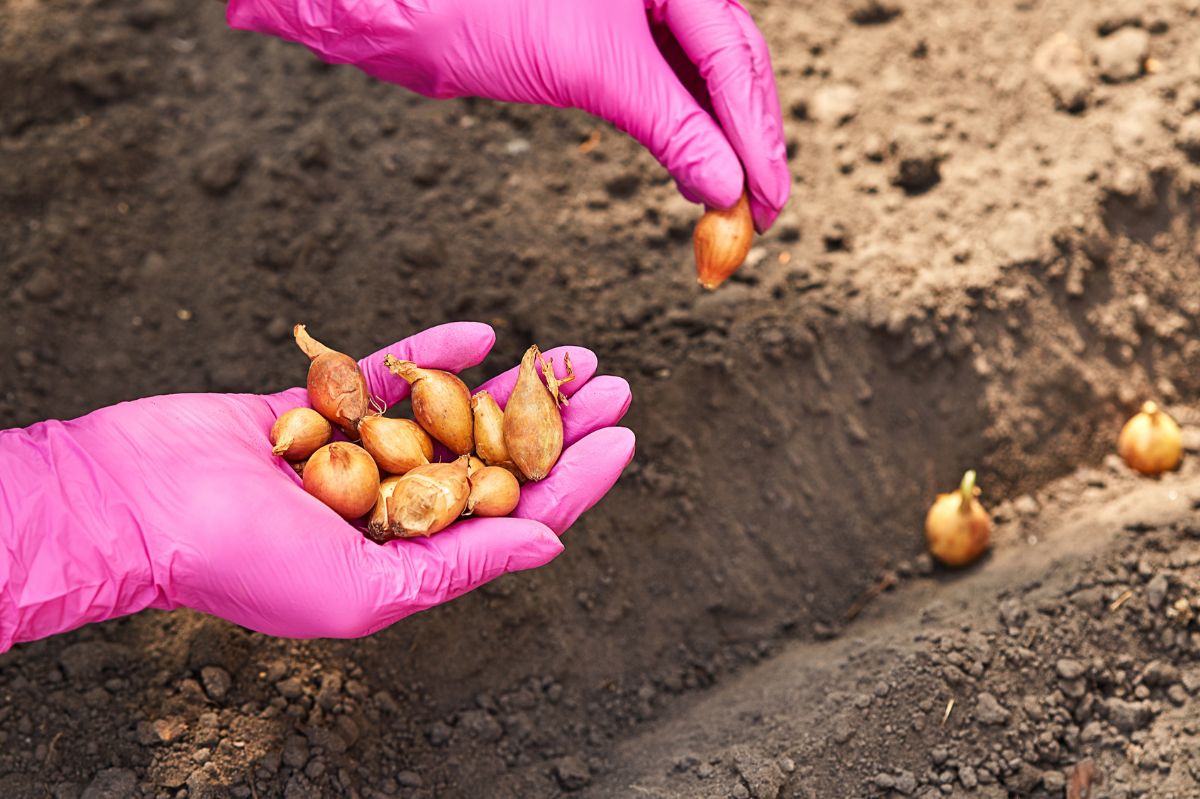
299	433
336	386
441	403
1151	441
344	477
533	430
957	528
721	241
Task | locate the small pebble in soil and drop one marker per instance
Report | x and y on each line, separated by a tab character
1121	56
1062	66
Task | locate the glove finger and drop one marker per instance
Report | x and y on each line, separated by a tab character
418	573
644	97
719	37
583	362
451	347
765	212
599	404
584	474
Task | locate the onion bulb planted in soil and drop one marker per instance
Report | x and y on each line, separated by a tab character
957	527
397	445
336	386
344	477
533	430
441	403
428	499
1151	441
299	433
721	241
494	492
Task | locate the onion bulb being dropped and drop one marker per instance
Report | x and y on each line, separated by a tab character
494	492
344	477
428	499
441	403
533	430
379	528
489	430
1151	442
336	386
299	433
721	241
957	528
397	445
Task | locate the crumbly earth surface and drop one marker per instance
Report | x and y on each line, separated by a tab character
989	261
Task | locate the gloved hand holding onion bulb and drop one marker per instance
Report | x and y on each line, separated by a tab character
391	473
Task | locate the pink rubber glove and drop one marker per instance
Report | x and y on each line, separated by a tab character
689	79
177	501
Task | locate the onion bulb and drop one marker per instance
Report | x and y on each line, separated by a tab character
336	386
957	528
1151	442
428	499
379	529
489	430
299	433
441	403
397	445
344	477
494	492
721	241
533	430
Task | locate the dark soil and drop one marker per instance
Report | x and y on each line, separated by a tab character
989	261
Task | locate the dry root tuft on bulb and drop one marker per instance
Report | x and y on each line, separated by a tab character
379	527
533	430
